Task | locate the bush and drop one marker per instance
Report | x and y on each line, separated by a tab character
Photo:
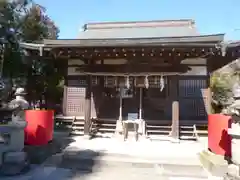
221	86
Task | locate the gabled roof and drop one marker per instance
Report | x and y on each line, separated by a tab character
139	29
190	41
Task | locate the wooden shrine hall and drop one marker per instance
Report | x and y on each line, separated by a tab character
154	71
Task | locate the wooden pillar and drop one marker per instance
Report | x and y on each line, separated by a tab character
175	119
208	91
64	102
87	114
140	102
175	106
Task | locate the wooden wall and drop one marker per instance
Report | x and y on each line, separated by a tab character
190	89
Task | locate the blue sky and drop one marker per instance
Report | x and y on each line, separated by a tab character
211	16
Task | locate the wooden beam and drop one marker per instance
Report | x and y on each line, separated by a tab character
132	52
132	69
208	91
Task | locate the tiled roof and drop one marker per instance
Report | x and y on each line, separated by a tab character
141	29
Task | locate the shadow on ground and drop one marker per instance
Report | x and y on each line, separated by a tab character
38	154
81	162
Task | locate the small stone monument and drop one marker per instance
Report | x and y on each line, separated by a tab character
13	160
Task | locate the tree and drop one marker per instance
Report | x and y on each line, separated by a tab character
43	75
222	83
10	12
222	89
24	20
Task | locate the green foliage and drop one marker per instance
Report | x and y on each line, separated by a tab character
26	21
221	86
10	12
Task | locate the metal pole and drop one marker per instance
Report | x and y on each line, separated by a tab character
140	103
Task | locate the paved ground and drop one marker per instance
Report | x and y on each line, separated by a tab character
161	151
76	171
115	159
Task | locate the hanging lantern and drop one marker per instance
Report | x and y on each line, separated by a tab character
127	82
146	82
162	83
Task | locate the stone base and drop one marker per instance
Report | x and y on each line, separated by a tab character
235	150
141	127
233	170
119	127
174	140
14	157
87	136
215	165
14	163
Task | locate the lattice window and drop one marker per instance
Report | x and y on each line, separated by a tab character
76	91
75	101
73	82
122	81
95	80
81	81
192	108
192	87
155	81
110	81
76	109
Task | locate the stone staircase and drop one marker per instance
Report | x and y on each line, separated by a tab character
188	130
104	126
78	127
158	128
73	124
193	131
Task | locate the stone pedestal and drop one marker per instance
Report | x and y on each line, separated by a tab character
215	165
139	128
12	158
11	137
119	127
234	131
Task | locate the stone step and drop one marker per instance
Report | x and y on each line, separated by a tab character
157	131
186	127
105	130
74	127
158	127
77	132
104	125
78	122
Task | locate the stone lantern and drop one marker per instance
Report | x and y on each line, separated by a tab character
234	131
13	160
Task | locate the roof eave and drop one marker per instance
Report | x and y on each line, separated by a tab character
168	41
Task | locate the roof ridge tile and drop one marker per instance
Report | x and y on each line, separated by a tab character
139	24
